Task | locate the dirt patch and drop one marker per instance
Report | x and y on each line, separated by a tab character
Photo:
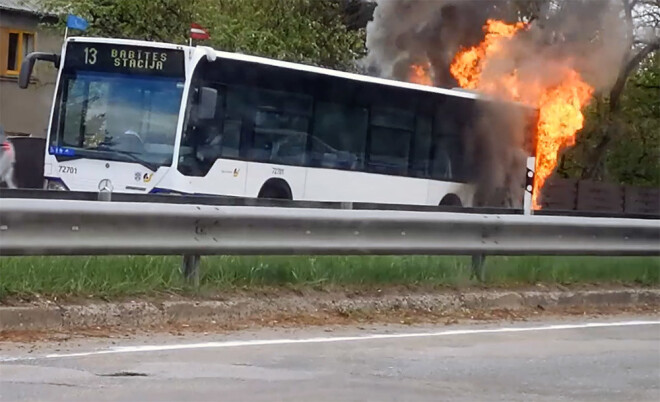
359	319
332	291
61	322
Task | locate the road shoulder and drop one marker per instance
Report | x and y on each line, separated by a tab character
45	318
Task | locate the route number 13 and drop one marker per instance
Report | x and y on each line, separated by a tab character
90	55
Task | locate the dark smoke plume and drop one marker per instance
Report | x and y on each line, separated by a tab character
405	32
586	35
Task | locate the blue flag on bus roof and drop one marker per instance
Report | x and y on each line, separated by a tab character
75	22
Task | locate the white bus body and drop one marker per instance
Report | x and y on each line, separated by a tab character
112	92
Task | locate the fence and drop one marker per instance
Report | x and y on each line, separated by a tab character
590	196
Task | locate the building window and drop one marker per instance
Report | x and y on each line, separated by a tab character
18	44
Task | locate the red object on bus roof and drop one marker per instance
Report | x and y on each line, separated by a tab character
198	32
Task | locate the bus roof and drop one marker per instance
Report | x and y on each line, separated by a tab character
458	92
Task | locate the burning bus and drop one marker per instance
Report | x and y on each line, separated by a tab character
146	117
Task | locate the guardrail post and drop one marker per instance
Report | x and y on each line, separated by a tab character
479	267
190	269
529	186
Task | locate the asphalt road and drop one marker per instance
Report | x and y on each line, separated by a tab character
533	361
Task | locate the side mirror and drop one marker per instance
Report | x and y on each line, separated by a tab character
208	99
28	65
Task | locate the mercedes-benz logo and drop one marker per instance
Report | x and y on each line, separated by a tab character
105	185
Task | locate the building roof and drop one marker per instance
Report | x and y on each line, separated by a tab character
26	6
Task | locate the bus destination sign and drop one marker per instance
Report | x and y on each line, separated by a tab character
112	58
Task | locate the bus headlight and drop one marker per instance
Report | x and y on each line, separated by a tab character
55	185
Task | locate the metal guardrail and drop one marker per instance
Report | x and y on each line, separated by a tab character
257	202
73	227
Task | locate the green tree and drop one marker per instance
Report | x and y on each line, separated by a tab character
620	139
153	20
633	156
642	22
306	31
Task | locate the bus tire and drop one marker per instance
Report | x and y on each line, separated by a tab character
451	200
276	189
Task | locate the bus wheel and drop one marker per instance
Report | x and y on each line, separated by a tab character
276	189
451	200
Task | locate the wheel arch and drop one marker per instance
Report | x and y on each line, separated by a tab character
452	200
276	187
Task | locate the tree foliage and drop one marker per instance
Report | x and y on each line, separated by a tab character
306	31
642	21
153	20
633	156
620	139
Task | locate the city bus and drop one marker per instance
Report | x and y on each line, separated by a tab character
142	117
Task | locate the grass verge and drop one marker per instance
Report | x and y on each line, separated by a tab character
149	275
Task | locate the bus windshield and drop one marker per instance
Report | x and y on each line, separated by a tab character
113	114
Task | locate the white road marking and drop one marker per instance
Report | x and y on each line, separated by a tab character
269	342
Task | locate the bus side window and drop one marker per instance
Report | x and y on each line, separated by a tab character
442	162
236	118
420	163
389	145
275	124
448	156
231	141
202	140
338	137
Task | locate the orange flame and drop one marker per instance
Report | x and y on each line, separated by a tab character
469	64
420	74
559	105
560	118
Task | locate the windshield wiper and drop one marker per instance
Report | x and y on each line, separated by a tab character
132	156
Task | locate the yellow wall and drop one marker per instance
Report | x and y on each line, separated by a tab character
26	111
